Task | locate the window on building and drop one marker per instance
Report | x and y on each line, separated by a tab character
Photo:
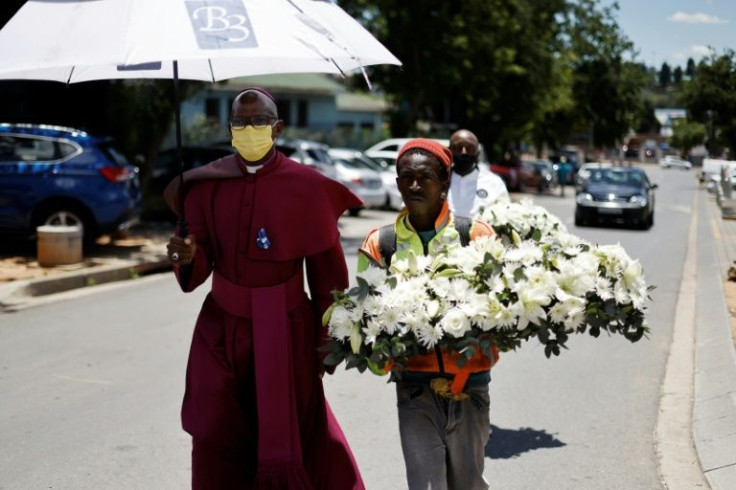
302	114
367	126
212	108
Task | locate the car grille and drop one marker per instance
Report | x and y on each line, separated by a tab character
611	199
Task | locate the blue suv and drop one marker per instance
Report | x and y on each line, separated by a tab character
52	175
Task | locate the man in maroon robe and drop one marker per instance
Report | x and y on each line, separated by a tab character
254	401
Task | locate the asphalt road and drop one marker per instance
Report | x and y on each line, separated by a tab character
90	386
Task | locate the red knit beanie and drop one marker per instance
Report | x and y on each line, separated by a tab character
439	150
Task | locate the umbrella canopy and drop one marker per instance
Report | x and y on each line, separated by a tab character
80	40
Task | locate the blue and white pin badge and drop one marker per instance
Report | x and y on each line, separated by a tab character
262	240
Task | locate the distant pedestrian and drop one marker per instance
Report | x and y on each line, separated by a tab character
472	187
254	402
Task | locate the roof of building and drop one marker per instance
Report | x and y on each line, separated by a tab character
302	83
361	102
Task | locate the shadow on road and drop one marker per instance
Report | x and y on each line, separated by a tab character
510	443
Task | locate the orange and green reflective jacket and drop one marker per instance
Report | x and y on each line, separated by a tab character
408	239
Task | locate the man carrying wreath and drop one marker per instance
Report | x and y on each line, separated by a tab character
443	408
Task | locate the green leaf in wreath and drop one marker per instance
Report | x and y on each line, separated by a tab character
333	358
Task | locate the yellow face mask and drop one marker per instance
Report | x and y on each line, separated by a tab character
252	143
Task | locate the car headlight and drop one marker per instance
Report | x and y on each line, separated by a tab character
640	200
583	197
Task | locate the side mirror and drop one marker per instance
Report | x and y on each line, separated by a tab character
653	186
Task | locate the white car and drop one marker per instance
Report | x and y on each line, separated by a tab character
674	161
388	150
374	184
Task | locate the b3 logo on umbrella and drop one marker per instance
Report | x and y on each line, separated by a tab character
221	24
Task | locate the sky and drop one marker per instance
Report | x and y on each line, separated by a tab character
675	30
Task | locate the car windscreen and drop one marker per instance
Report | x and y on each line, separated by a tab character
319	154
616	177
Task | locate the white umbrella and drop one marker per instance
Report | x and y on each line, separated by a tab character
80	40
75	41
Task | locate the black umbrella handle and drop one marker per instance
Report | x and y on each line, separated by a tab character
183	225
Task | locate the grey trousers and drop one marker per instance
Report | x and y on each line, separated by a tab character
443	441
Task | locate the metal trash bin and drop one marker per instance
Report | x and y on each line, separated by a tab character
59	245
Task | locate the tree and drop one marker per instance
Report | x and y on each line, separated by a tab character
665	75
690	69
711	99
506	69
686	135
677	76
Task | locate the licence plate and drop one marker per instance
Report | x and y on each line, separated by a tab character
610	210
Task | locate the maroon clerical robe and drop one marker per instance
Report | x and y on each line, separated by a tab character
254	401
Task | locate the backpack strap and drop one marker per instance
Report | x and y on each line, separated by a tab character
387	237
387	243
462	225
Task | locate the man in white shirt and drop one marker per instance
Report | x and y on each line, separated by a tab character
472	188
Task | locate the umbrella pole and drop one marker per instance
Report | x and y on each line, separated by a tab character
183	225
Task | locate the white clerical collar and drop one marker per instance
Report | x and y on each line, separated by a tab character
251	169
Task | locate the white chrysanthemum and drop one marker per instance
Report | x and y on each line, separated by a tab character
455	323
390	320
428	335
340	324
505	317
371	331
541	279
373	305
495	284
466	259
604	288
574	319
557	313
460	290
374	276
526	253
574	277
475	307
621	295
440	286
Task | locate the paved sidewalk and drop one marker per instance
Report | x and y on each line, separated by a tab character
714	404
23	280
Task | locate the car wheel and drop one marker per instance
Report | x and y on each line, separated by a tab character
579	221
650	220
67	215
354	211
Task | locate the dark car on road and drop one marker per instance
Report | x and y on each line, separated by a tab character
616	194
52	175
539	175
166	168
